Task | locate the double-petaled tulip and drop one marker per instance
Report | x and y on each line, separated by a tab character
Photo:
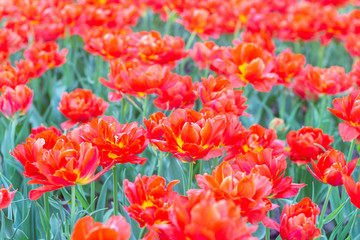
288	66
81	105
203	217
116	228
331	166
152	49
12	77
248	63
328	81
15	100
218	95
117	143
271	166
298	221
186	134
181	95
6	196
302	144
150	199
353	190
348	109
249	191
257	139
45	56
136	79
56	162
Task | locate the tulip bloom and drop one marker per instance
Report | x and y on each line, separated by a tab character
81	105
46	55
218	94
150	199
250	192
6	196
331	166
257	139
186	134
203	217
353	190
328	81
271	166
302	147
288	66
298	221
117	143
116	228
56	162
12	77
346	108
15	100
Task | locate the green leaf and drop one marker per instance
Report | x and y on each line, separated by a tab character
102	199
333	214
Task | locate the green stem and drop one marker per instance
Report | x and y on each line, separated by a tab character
115	189
171	19
191	168
351	150
214	163
122	116
145	105
73	191
92	195
3	225
322	109
201	168
160	163
321	56
187	46
324	207
283	104
47	212
267	237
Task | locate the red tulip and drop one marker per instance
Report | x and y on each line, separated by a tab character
331	166
6	196
116	228
298	221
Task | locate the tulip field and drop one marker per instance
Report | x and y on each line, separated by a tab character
179	119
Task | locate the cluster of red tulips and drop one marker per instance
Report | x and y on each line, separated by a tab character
183	102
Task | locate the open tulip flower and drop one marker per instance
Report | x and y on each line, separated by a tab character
117	143
56	162
116	228
352	189
81	105
331	167
302	147
6	196
298	221
348	109
16	100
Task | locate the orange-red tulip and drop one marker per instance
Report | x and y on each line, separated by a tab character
150	199
15	100
331	166
6	196
298	221
116	228
250	192
203	217
81	105
187	134
270	166
302	144
353	190
117	143
348	109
